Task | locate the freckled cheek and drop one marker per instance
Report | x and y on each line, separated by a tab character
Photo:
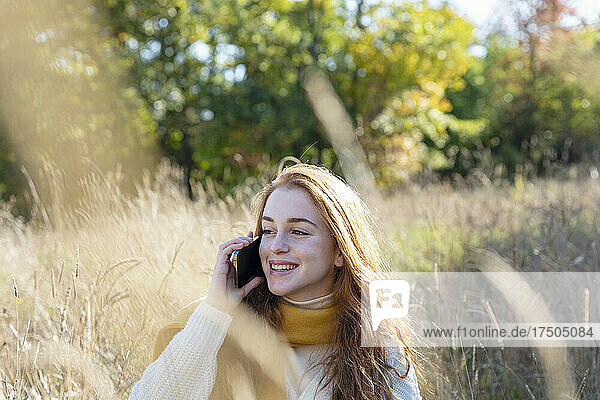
263	251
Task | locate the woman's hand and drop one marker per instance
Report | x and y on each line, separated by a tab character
222	293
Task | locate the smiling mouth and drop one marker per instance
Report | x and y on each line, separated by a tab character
283	267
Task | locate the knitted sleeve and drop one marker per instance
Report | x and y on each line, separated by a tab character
403	388
187	367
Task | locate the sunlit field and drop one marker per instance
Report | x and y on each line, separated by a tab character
85	290
398	96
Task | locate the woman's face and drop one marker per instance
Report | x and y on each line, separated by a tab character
298	253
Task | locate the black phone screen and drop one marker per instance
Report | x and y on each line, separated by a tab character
246	263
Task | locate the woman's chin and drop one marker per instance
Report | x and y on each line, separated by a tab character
278	290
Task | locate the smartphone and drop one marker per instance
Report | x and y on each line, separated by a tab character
246	263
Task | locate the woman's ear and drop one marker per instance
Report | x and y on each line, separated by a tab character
339	259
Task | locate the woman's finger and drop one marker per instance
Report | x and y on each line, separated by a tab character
248	287
237	239
226	251
241	239
230	271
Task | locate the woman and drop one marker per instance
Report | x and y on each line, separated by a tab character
318	252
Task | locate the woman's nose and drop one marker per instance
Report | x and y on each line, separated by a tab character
279	244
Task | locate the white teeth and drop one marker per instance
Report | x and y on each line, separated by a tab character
283	267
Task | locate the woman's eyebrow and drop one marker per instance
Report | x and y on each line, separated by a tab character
265	218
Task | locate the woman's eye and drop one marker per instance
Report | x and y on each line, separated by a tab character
267	231
298	232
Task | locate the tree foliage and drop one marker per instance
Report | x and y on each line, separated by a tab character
217	85
538	101
222	79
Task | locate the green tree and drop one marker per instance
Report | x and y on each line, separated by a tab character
537	123
222	79
533	92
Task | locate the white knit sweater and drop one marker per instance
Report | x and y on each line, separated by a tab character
187	368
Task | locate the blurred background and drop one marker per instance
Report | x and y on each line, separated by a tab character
441	89
134	133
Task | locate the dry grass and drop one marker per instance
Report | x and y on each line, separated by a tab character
93	284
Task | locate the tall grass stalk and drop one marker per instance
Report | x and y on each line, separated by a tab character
96	281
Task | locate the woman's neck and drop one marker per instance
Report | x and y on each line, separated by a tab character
312	303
